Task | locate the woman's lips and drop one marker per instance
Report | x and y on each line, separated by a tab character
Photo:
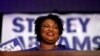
50	34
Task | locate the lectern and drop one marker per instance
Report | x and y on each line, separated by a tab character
50	53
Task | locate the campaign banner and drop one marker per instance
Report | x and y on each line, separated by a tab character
81	31
13	45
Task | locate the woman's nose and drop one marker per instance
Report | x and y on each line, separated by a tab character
51	28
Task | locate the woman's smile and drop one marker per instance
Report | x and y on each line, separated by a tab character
50	34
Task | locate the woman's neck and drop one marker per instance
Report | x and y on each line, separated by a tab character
44	46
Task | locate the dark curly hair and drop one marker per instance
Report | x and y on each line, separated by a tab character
41	19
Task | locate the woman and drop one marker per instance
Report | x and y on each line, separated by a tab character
48	30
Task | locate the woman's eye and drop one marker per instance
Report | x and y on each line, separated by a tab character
45	26
56	27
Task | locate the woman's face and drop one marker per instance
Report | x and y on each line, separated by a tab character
49	31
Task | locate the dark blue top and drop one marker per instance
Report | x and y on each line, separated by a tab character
59	47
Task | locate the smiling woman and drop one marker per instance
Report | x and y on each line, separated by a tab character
48	30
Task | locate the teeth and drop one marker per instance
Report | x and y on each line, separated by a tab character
50	33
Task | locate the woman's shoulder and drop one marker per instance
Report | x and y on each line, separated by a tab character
63	47
32	49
